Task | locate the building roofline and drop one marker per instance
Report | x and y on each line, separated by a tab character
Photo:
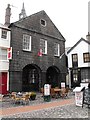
4	27
35	31
82	39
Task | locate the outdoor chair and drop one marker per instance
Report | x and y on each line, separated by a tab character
25	99
64	92
15	99
42	91
52	92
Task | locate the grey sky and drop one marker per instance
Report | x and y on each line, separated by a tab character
69	16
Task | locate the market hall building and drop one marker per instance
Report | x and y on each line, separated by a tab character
36	49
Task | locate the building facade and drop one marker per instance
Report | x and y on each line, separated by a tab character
79	63
4	62
37	45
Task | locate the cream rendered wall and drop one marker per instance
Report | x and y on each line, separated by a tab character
5	42
81	48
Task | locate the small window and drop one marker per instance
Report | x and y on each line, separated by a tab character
43	22
4	34
43	46
86	57
3	54
56	49
26	42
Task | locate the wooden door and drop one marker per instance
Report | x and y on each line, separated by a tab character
3	83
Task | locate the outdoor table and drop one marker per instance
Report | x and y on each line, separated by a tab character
57	92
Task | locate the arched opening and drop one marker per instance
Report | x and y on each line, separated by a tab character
52	76
30	78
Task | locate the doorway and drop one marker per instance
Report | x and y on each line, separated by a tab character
3	83
52	76
30	78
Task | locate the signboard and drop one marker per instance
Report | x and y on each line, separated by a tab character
46	89
79	98
84	85
62	84
9	53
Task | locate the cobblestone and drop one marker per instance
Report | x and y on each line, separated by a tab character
65	111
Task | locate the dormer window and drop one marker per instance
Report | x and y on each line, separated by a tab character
43	22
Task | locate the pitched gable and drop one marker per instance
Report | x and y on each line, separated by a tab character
33	23
86	41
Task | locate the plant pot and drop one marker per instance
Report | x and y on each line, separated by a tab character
33	97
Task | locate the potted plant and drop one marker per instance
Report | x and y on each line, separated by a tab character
33	96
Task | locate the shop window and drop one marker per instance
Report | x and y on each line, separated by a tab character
75	75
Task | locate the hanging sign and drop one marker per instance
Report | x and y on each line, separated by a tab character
9	53
40	53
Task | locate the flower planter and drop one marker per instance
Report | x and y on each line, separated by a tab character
33	96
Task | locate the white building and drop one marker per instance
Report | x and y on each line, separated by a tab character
79	63
5	52
4	62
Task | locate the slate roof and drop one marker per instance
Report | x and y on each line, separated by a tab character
32	23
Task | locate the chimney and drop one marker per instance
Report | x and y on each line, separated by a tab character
7	15
88	36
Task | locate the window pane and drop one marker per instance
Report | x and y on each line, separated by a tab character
75	75
74	57
43	22
4	34
26	42
43	46
3	54
56	49
86	57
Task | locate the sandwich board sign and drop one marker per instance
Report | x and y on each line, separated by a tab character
78	96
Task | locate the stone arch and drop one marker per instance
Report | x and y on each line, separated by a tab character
31	77
52	76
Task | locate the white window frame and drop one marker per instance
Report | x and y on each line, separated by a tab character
43	46
28	41
3	55
56	49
